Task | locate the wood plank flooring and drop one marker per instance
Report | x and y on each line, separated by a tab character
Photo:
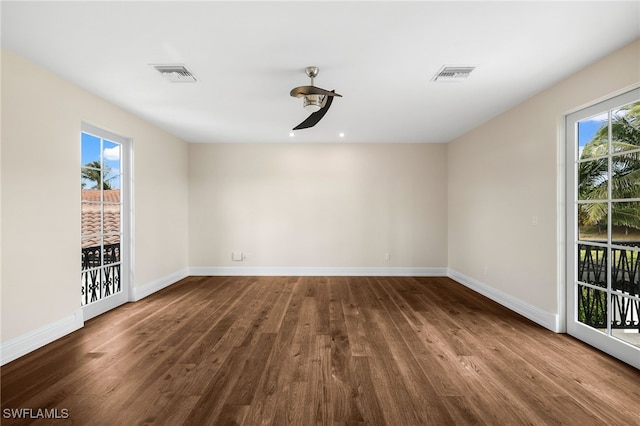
320	351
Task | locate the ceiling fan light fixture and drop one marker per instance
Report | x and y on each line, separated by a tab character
312	103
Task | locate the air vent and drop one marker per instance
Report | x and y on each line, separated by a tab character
453	73
175	73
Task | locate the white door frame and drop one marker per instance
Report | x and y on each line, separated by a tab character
126	246
606	343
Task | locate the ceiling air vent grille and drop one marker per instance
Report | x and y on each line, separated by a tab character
453	73
176	73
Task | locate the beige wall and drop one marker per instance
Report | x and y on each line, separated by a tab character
41	116
468	205
318	205
505	172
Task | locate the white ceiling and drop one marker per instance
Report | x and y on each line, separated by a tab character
381	56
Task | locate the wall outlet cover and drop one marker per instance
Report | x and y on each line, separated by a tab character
236	256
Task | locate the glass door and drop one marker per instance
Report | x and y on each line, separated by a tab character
104	222
603	226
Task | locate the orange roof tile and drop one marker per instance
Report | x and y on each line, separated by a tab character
91	215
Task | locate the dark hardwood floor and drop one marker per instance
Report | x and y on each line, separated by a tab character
320	350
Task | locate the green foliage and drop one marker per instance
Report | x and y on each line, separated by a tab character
594	175
91	172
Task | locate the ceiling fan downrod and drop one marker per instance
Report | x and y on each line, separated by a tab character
312	72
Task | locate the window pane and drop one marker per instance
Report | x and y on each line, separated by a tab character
592	222
91	282
593	137
92	195
112	196
625	269
593	180
625	324
592	307
91	218
111	280
625	182
111	249
91	253
112	181
111	160
93	241
91	179
592	265
90	151
625	127
625	221
111	219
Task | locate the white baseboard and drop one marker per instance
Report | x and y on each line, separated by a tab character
546	319
140	292
252	271
15	348
22	345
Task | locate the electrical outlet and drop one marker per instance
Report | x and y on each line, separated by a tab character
237	256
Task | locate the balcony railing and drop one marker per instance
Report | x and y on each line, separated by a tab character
625	281
100	272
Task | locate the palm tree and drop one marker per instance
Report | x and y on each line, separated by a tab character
91	172
594	175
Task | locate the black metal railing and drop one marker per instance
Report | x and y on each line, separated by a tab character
625	281
100	272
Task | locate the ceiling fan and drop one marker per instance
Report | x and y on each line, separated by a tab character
315	99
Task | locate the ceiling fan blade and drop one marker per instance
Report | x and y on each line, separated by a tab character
311	90
313	119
